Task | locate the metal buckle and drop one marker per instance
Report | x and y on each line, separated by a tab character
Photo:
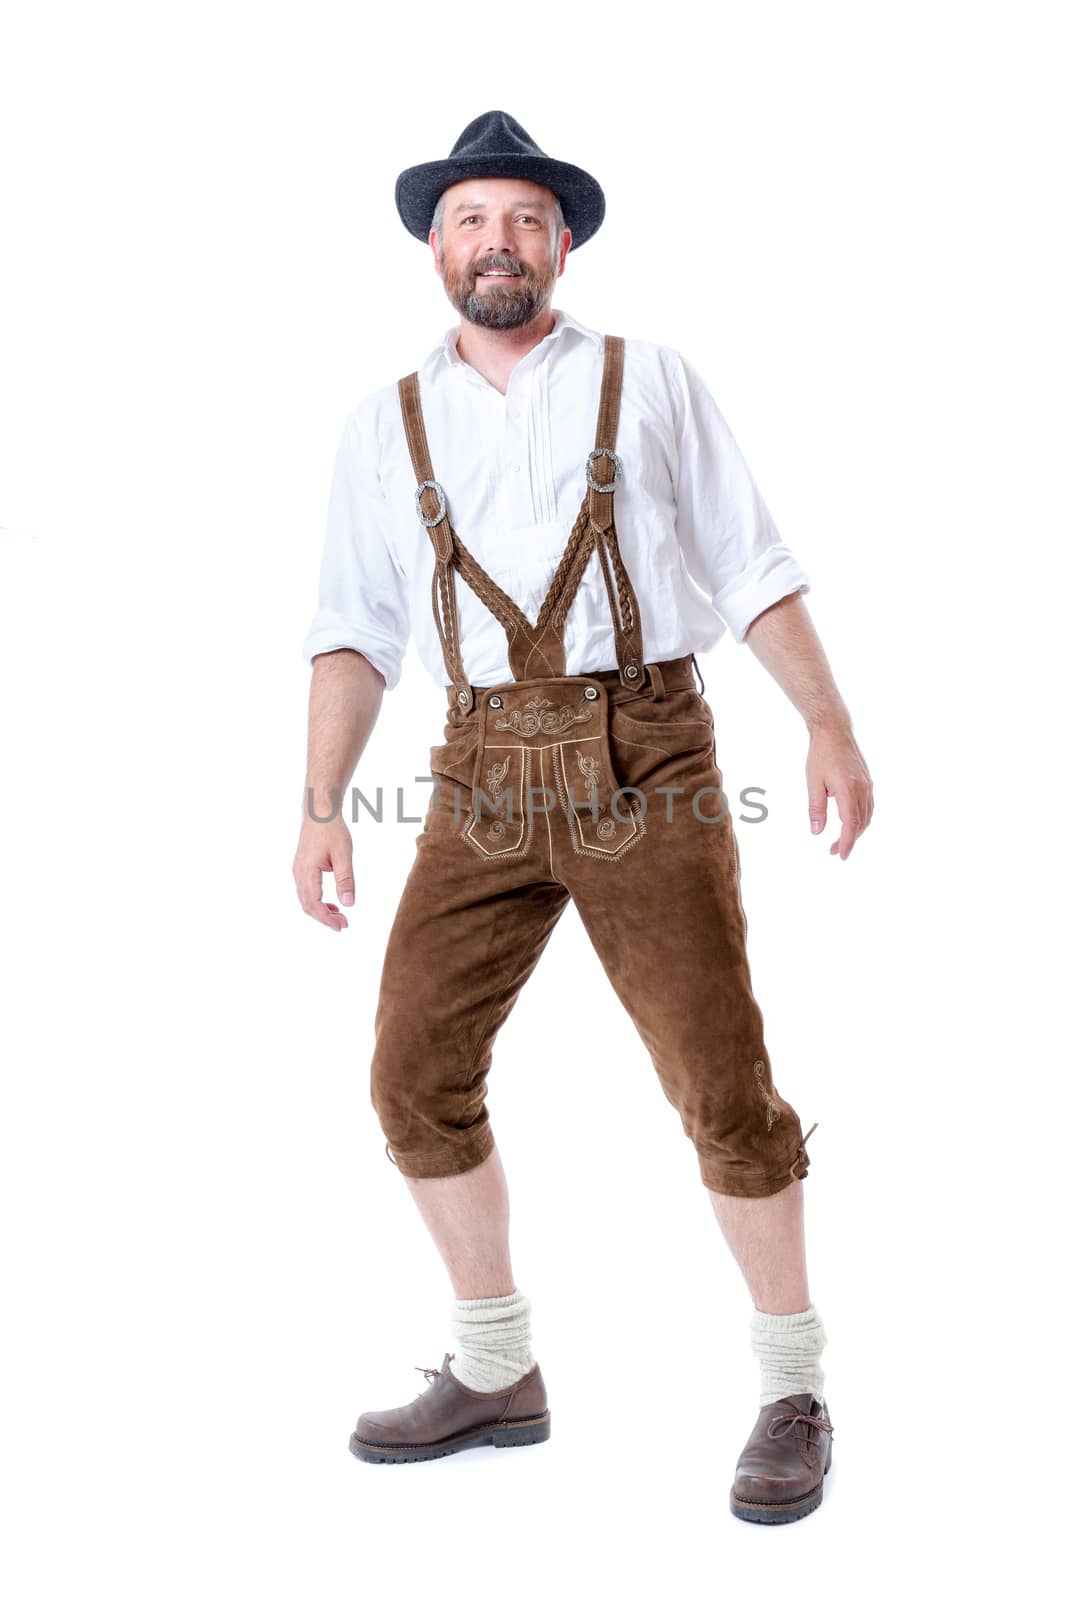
432	483
604	488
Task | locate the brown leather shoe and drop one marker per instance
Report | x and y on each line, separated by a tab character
780	1471
448	1417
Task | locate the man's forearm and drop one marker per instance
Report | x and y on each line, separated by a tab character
345	698
784	640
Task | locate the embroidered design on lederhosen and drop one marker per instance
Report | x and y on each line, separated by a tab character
773	1113
541	716
544	709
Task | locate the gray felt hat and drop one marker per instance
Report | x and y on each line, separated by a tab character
494	145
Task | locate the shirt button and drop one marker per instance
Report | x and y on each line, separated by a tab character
516	467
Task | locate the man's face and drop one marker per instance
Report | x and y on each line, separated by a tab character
502	225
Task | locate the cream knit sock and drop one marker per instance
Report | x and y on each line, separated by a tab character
493	1341
788	1348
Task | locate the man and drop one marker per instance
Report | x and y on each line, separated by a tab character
570	684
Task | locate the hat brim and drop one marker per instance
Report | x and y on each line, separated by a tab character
418	189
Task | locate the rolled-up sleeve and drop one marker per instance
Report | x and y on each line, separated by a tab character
363	600
728	538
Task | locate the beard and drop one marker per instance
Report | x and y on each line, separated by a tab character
507	302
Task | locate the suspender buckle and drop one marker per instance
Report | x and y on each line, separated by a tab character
440	538
430	483
603	488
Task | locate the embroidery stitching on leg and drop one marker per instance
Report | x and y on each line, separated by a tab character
773	1112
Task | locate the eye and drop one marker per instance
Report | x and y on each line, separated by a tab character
471	218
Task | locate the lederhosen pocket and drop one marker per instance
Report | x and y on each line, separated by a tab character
653	738
549	738
452	766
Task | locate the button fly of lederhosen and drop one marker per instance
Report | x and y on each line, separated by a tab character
518	723
548	734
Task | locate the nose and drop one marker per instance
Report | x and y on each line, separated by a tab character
502	240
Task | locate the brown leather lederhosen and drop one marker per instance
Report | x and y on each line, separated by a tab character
660	901
569	716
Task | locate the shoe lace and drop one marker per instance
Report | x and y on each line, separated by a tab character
780	1425
802	1148
430	1373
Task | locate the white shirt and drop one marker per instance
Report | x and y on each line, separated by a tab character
701	550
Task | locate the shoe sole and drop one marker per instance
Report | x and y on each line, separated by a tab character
769	1511
504	1435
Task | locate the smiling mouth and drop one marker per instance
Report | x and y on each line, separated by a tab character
499	274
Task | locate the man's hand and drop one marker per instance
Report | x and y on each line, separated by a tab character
784	640
835	766
346	696
324	847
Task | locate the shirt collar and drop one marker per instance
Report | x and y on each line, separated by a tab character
444	351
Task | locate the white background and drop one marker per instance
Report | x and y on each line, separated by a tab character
848	217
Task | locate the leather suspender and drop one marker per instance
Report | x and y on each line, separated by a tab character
534	649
